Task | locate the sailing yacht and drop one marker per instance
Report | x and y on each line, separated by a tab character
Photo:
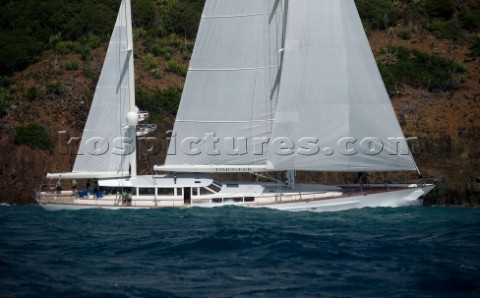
273	86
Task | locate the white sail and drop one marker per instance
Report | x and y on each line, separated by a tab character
108	143
230	94
333	112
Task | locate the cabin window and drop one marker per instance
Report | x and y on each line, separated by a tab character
231	185
205	191
165	191
113	190
146	191
249	199
233	200
217	200
179	191
214	187
194	191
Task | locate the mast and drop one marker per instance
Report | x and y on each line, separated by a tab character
131	88
290	174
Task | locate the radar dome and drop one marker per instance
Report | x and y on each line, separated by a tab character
132	118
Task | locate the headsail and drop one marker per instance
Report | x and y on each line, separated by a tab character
107	148
333	106
231	92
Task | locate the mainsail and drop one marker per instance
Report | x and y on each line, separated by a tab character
231	90
107	148
297	84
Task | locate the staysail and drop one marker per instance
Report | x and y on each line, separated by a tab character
107	148
231	91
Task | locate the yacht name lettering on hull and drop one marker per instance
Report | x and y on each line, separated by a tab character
234	170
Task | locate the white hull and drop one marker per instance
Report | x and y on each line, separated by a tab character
317	201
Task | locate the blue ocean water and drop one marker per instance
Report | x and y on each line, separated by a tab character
239	252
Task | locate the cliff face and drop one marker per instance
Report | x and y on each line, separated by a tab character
446	123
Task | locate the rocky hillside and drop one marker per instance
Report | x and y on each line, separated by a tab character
440	107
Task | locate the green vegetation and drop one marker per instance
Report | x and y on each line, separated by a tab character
160	102
54	87
4	102
6	91
446	29
436	9
33	135
157	49
406	33
378	14
475	47
143	13
176	68
470	20
32	93
5	82
17	50
29	27
149	62
71	65
156	73
64	47
400	66
181	17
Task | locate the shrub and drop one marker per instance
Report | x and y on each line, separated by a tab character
446	29
33	135
176	68
54	87
149	62
182	17
143	12
442	9
94	41
4	102
475	47
85	54
88	17
64	47
71	65
406	33
418	69
5	82
151	46
17	50
378	14
156	73
174	41
160	102
470	20
32	93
